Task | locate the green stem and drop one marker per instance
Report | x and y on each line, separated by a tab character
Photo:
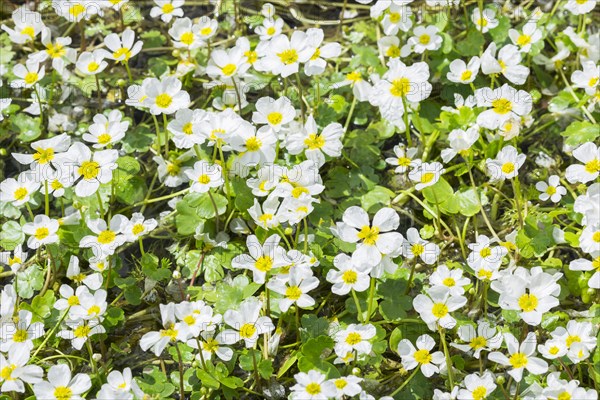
180	361
128	71
214	204
156	127
447	354
358	309
349	118
395	392
518	199
46	198
406	123
370	301
165	123
49	335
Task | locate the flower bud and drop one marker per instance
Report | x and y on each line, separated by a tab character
176	275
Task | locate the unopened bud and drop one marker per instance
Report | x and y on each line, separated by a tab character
356	371
288	231
176	275
97	357
500	380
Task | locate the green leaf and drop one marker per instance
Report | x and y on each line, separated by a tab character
204	205
468	203
28	127
580	132
472	45
11	235
30	280
378	196
438	193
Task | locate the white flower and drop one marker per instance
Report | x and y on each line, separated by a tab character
557	388
589	205
171	172
80	331
41	231
345	386
284	55
197	316
415	246
485	259
262	258
14	371
361	89
389	46
138	226
165	96
464	73
477	387
185	128
207	28
532	292
397	16
93	168
452	280
426	174
119	385
506	164
122	48
17	334
551	190
578	7
530	35
46	151
212	345
269	29
28	75
167	9
256	148
106	238
314	144
185	34
355	338
505	102
172	332
19	191
576	333
204	176
275	113
268	214
521	357
246	323
294	290
60	386
17	259
404	158
587	79
91	306
91	63
582	264
348	275
58	51
76	10
225	64
553	349
316	64
460	142
508	63
484	338
311	386
435	308
28	24
589	154
485	20
425	38
92	281
421	356
589	241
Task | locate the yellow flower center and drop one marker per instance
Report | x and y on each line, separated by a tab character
350	277
73	301
482	22
106	237
427	177
508	168
485	252
316	54
593	166
206	31
404	161
596	263
466	75
94	310
393	51
551	190
417	249
104	138
29	31
394	17
271	30
168	8
93	66
31	78
353	338
247	331
572	339
204	179
265	218
298	191
596	237
424	39
20	193
523	40
173	169
449	282
293	292
188	128
313	388
314	141
400	87
354	76
439	310
528	302
5	373
502	106
229	69
253	143
553	350
82	331
264	263
369	235
187	38
275	118
89	169
20	336
122	53
211	345
170	332
422	356
41	233
55	185
518	360
14	260
43	156
163	100
593	81
137	229
479	393
55	50
76	9
189	319
485	274
289	56
340	383
252	56
63	393
478	342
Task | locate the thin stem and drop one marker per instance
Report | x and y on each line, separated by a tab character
214	204
370	301
156	127
518	199
301	92
165	122
349	118
358	309
410	277
29	210
447	354
49	335
179	359
99	94
395	392
406	123
126	62
46	198
100	203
